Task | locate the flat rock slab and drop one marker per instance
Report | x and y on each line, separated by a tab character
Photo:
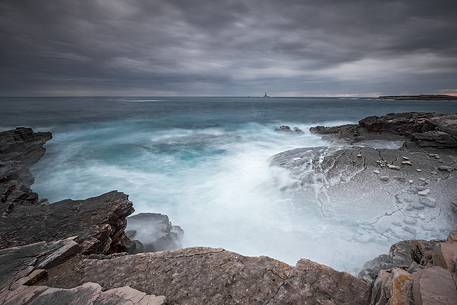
389	199
86	294
215	276
19	262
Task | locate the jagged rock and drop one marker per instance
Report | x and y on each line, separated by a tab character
445	253
86	294
434	286
154	231
285	128
19	150
19	262
403	254
392	287
371	268
215	276
342	131
98	223
427	129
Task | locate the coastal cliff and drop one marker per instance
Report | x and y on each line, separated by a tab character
76	251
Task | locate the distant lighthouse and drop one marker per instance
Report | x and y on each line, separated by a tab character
266	95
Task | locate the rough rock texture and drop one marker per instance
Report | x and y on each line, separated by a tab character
215	276
408	254
22	267
413	273
19	149
425	129
18	262
434	286
392	287
98	223
154	231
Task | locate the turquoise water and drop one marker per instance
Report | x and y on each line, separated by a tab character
205	163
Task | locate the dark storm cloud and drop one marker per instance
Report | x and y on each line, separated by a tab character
179	47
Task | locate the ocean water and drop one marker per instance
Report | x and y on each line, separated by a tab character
205	162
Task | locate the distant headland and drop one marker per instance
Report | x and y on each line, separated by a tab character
419	97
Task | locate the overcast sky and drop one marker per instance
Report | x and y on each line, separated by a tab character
186	47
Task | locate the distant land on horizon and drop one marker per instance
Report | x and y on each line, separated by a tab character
419	97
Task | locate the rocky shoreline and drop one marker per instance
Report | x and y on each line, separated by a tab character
80	252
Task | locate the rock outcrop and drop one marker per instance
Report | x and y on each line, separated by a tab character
22	267
419	178
395	193
417	272
215	276
424	129
288	129
98	223
153	232
19	150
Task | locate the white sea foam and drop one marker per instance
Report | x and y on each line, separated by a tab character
232	198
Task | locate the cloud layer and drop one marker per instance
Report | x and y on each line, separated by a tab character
184	47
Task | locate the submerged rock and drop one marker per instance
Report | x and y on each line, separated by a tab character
286	128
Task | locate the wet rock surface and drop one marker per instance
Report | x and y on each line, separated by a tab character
288	129
392	199
397	193
154	232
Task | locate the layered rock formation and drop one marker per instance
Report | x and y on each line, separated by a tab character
216	276
424	129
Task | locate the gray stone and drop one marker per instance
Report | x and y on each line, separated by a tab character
215	276
155	232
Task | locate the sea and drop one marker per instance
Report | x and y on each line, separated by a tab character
204	162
